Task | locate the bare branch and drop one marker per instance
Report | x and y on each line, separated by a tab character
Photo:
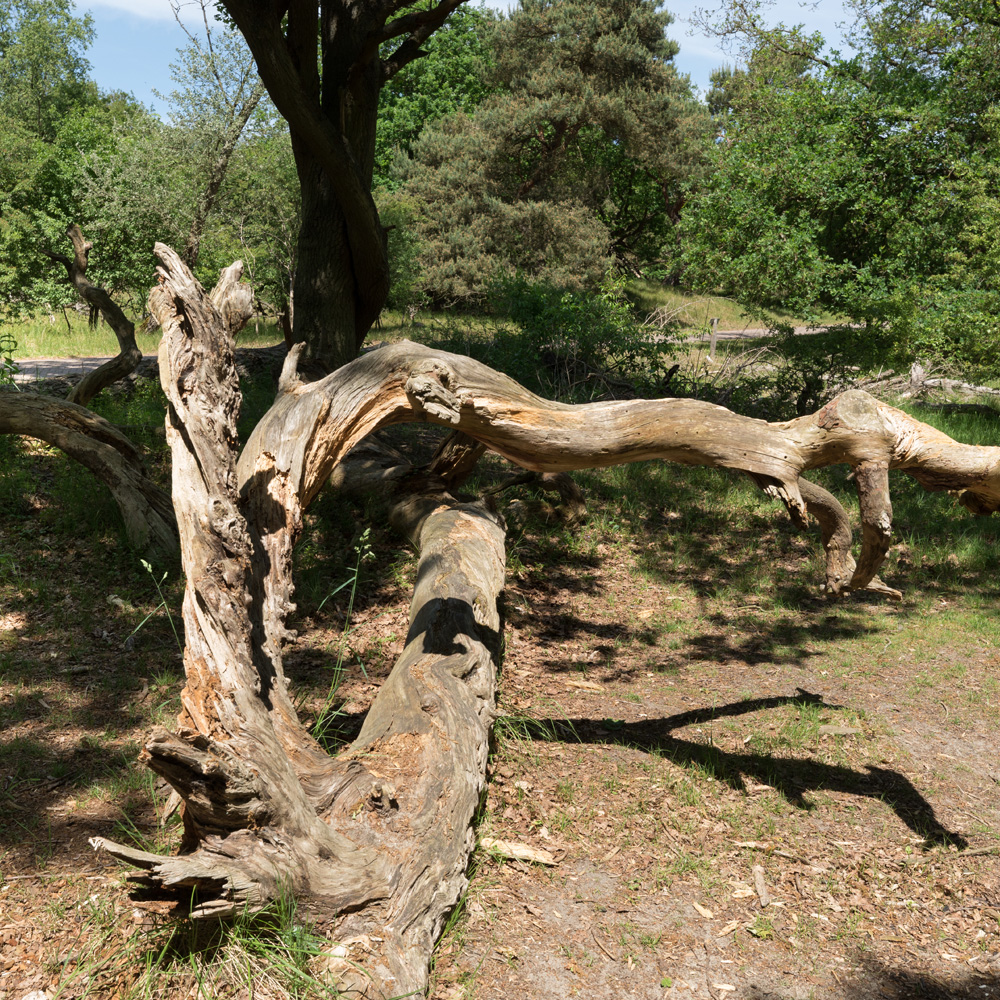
111	457
100	301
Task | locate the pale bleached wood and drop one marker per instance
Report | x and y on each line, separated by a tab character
382	832
312	426
255	832
107	453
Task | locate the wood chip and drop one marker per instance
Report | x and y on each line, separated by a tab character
758	883
517	852
585	685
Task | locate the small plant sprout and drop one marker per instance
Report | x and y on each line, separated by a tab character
163	604
363	554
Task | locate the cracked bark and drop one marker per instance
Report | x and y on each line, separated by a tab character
381	833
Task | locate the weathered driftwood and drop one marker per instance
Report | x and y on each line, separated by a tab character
381	832
311	426
385	828
100	301
92	441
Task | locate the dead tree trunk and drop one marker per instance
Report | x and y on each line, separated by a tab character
102	448
146	509
102	304
381	833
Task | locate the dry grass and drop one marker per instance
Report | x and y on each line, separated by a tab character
68	335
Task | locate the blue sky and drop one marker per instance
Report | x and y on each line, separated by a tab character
137	40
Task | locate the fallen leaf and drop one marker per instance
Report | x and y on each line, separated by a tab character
729	928
838	731
704	911
585	685
757	845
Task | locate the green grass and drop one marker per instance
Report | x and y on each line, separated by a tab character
693	313
273	953
68	335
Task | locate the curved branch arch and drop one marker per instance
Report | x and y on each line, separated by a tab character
312	426
380	835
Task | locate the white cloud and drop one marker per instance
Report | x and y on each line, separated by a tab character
153	10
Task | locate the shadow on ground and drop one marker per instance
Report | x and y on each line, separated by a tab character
791	777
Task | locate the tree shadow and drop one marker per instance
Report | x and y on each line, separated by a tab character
792	778
879	981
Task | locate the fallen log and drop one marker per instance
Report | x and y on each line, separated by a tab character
99	446
380	834
313	425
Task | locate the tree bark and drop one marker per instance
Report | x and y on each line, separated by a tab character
381	833
342	267
97	444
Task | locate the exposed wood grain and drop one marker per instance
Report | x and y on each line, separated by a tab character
381	833
110	456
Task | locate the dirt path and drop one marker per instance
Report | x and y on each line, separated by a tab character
38	369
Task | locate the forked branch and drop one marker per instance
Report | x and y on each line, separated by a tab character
312	426
100	303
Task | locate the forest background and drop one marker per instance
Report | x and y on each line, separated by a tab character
544	159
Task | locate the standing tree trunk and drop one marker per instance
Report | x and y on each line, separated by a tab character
380	834
230	95
331	105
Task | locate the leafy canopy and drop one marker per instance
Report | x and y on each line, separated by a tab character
862	186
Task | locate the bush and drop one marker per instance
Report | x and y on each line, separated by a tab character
398	213
957	327
579	345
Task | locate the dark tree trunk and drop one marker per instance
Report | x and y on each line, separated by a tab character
342	267
327	304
